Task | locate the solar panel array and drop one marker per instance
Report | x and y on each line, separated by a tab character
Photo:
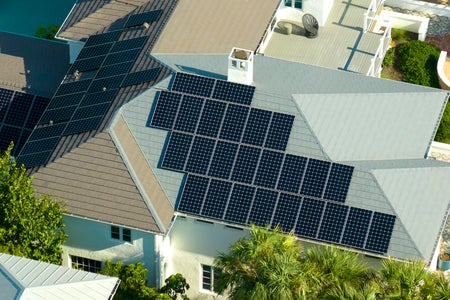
81	103
19	114
238	170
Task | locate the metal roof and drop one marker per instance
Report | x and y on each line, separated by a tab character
23	278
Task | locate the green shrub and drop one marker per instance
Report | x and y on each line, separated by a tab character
418	61
443	133
389	58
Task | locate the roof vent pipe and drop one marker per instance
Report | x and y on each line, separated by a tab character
240	66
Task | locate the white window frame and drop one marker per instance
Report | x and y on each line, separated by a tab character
124	234
86	264
213	273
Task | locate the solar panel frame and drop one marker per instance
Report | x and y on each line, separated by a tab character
211	118
216	199
66	100
9	134
47	131
256	127
57	114
246	163
356	227
112	70
279	131
83	125
105	84
262	207
34	159
338	182
239	204
98	97
200	155
139	19
177	151
314	181
193	84
223	160
286	211
269	168
309	218
19	109
192	197
86	112
188	113
88	64
333	221
380	232
5	99
42	145
124	45
166	109
38	108
234	122
102	38
96	50
292	173
233	92
73	87
141	77
123	56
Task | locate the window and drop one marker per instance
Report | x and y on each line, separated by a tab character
86	264
126	233
293	3
209	276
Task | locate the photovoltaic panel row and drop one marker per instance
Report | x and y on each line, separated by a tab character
119	57
252	165
106	84
111	70
193	84
139	19
88	64
97	50
241	204
19	109
233	92
73	87
141	77
9	134
82	125
103	38
134	43
5	100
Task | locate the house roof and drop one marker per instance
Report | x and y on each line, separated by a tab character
214	26
22	278
32	65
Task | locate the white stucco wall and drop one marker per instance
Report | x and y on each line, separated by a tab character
194	243
91	239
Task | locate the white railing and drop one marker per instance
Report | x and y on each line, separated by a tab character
377	59
371	14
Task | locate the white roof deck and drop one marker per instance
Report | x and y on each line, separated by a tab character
341	43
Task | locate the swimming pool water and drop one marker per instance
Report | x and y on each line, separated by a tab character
25	17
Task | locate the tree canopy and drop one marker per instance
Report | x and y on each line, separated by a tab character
30	226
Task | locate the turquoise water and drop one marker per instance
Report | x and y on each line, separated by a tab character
26	16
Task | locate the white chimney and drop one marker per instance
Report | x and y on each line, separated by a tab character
240	66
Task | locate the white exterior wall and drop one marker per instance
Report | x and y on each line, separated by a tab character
319	9
91	239
193	243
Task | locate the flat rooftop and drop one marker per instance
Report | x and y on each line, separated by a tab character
341	43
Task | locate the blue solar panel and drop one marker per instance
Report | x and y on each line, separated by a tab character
380	232
315	177
44	132
193	194
125	45
37	110
245	166
216	199
309	218
106	84
97	50
99	97
356	227
286	212
37	146
139	19
240	203
141	77
234	92
5	99
23	138
200	155
83	125
96	110
234	122
193	84
177	151
119	57
57	114
165	110
256	127
332	225
338	182
292	173
87	64
9	134
188	113
66	100
19	109
279	131
211	118
263	207
112	70
223	158
269	169
73	87
34	159
103	38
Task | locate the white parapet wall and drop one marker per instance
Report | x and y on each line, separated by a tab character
408	22
319	9
444	82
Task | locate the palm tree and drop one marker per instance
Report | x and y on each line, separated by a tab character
266	265
441	288
347	276
405	280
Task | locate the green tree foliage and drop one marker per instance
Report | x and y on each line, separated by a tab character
418	62
443	132
389	58
267	265
176	284
47	32
30	226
